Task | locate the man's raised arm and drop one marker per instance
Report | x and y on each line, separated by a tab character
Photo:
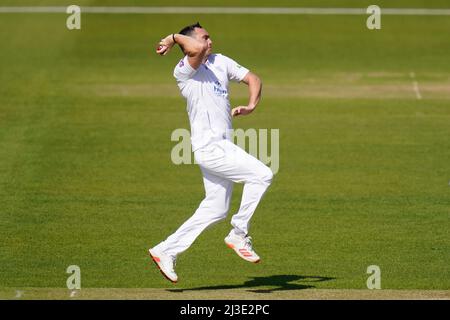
193	48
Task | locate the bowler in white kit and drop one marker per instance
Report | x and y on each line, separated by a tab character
203	79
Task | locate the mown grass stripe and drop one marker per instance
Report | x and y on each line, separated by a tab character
229	10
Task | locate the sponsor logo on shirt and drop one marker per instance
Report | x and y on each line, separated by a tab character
181	64
218	89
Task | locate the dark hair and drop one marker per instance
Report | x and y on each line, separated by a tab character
188	31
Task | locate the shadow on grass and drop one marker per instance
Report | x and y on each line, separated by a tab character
279	282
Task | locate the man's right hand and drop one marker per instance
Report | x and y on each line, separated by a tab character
194	47
165	45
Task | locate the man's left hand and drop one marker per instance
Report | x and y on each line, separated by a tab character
241	110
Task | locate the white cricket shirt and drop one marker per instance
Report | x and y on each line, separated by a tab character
206	93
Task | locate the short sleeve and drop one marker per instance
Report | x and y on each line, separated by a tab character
235	71
183	71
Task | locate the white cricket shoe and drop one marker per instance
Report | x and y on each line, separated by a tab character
242	246
165	264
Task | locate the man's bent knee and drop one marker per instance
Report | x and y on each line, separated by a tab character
265	176
268	177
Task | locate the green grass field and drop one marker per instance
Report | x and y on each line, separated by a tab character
85	171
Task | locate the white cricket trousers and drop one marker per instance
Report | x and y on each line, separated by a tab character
222	164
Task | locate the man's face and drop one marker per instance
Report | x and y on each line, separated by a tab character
203	36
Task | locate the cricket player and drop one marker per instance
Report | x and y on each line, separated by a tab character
203	79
